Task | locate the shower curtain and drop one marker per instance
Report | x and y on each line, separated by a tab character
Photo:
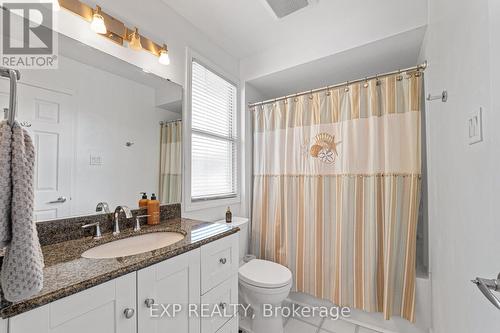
170	162
336	191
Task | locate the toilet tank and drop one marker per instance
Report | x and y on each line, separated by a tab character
242	223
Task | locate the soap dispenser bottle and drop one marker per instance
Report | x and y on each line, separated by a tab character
229	215
153	210
144	200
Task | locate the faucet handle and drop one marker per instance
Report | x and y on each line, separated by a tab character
97	229
137	222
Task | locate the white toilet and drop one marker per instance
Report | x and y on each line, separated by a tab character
261	283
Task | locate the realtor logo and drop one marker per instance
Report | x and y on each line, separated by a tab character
28	38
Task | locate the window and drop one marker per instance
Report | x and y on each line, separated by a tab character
213	135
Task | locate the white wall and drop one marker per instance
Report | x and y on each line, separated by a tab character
356	23
462	48
108	110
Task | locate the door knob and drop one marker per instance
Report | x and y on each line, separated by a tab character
149	302
129	313
59	200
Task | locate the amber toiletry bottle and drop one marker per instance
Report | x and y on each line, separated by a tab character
229	215
153	210
144	200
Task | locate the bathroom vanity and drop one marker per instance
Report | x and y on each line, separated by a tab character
119	294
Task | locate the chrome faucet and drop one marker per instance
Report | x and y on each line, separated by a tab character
102	207
116	221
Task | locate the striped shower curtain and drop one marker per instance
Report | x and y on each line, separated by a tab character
336	191
170	180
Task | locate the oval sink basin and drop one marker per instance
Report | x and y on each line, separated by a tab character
133	245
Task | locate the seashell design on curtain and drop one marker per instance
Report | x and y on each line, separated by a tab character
336	192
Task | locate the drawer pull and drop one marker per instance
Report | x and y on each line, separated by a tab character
149	302
222	305
129	313
223	261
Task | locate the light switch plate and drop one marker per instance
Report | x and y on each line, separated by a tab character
475	125
96	159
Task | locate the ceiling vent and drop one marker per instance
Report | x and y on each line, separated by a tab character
282	8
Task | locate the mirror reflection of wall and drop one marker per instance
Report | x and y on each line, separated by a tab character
95	124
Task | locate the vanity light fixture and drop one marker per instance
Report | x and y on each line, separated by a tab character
97	25
135	40
164	59
114	30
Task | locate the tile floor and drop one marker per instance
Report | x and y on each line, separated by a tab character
295	325
318	325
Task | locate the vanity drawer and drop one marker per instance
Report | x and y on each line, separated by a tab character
230	327
225	297
219	261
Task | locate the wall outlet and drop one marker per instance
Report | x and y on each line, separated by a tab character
475	124
96	159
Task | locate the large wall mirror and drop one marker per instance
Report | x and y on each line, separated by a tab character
104	131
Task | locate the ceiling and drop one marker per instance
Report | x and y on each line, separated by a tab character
393	53
247	27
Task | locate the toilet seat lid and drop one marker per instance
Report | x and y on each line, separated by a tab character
265	274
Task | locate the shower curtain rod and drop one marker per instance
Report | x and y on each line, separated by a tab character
162	122
420	67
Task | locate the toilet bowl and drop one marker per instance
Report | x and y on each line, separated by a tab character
264	285
261	283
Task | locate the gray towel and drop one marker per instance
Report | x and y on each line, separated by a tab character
5	183
22	269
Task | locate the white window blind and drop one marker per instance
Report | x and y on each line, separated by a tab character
213	135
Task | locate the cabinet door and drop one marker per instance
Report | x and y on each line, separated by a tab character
174	281
100	309
3	325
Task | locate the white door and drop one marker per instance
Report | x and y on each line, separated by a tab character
174	281
51	117
106	308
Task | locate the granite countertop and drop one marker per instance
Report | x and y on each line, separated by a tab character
67	273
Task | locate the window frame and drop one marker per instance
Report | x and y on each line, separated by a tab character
198	204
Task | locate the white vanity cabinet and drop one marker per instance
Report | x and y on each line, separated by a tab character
3	325
219	282
173	281
100	309
208	274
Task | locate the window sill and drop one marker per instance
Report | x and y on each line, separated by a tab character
199	205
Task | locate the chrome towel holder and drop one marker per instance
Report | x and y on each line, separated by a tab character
486	286
443	97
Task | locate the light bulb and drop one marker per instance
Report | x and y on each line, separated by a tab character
164	58
97	25
135	40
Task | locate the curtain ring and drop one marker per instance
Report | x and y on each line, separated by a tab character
378	80
366	83
399	77
328	93
418	73
346	89
296	99
311	95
